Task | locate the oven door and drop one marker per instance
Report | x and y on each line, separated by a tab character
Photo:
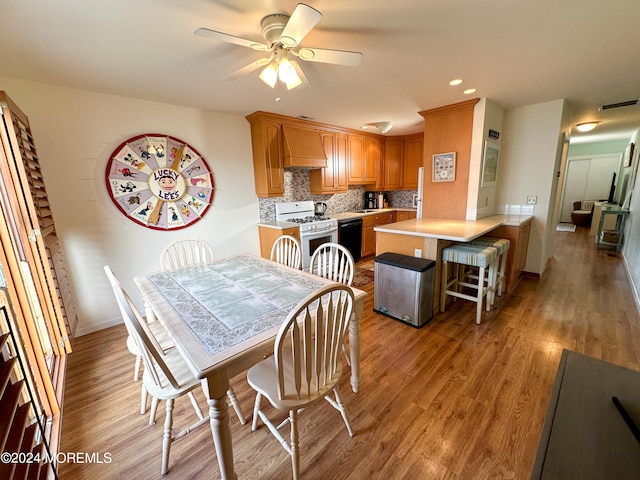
312	240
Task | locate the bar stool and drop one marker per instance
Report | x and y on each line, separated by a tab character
502	245
471	255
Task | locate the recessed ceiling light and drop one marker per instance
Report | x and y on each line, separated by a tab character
469	91
456	81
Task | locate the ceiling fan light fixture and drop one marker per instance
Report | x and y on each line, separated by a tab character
269	75
287	73
586	126
383	127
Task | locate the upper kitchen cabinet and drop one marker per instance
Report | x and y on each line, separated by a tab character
333	178
303	147
393	162
268	167
412	161
402	159
365	160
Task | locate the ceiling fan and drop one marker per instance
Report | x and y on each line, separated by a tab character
283	34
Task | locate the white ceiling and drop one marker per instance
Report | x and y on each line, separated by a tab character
514	52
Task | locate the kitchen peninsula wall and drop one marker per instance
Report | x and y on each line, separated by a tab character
297	188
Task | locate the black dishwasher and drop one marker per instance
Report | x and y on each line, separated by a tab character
350	236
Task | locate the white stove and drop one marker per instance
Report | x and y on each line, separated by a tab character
314	229
302	213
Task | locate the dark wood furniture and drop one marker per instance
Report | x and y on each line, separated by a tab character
584	435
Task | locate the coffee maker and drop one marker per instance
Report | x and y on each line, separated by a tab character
370	199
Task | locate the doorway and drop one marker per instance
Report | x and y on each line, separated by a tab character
588	178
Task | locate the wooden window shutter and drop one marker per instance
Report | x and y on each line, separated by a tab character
32	217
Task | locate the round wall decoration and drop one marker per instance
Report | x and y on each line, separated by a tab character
159	182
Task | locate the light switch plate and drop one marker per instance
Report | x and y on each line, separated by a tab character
417	253
532	200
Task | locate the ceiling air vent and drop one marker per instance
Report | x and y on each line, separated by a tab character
628	103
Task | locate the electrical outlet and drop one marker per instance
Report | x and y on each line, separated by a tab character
532	200
417	253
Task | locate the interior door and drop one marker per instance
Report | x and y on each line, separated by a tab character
575	186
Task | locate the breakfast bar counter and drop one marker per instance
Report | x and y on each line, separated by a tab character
427	237
452	229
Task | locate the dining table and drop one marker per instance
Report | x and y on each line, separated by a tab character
223	317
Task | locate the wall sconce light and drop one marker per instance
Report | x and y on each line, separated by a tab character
586	126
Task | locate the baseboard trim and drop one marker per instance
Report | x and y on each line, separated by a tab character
80	331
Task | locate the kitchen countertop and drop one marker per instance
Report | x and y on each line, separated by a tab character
279	225
452	229
338	216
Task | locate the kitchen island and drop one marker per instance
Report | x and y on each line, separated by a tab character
427	237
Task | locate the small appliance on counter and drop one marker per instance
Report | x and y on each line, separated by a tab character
370	199
319	208
375	200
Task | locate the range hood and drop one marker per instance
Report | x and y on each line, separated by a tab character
303	148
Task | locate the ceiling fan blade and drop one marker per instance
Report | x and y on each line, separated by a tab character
302	20
338	57
225	37
248	68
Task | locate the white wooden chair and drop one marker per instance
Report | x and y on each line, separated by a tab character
187	253
166	376
165	342
334	262
286	250
305	366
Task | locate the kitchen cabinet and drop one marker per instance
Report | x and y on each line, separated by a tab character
393	162
373	161
332	178
402	159
412	161
269	235
369	222
365	160
517	256
402	215
268	168
302	147
280	142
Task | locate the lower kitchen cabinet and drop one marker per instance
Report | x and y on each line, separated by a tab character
517	256
369	222
269	235
402	215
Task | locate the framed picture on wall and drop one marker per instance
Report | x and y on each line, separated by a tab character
490	163
444	167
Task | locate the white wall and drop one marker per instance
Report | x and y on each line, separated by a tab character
75	133
631	250
529	160
481	201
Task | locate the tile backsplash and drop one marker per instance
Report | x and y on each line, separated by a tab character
297	188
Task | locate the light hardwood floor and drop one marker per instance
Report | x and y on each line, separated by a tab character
452	400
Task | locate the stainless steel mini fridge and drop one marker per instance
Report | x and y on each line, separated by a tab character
403	288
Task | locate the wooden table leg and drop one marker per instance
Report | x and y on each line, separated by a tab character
354	345
215	389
